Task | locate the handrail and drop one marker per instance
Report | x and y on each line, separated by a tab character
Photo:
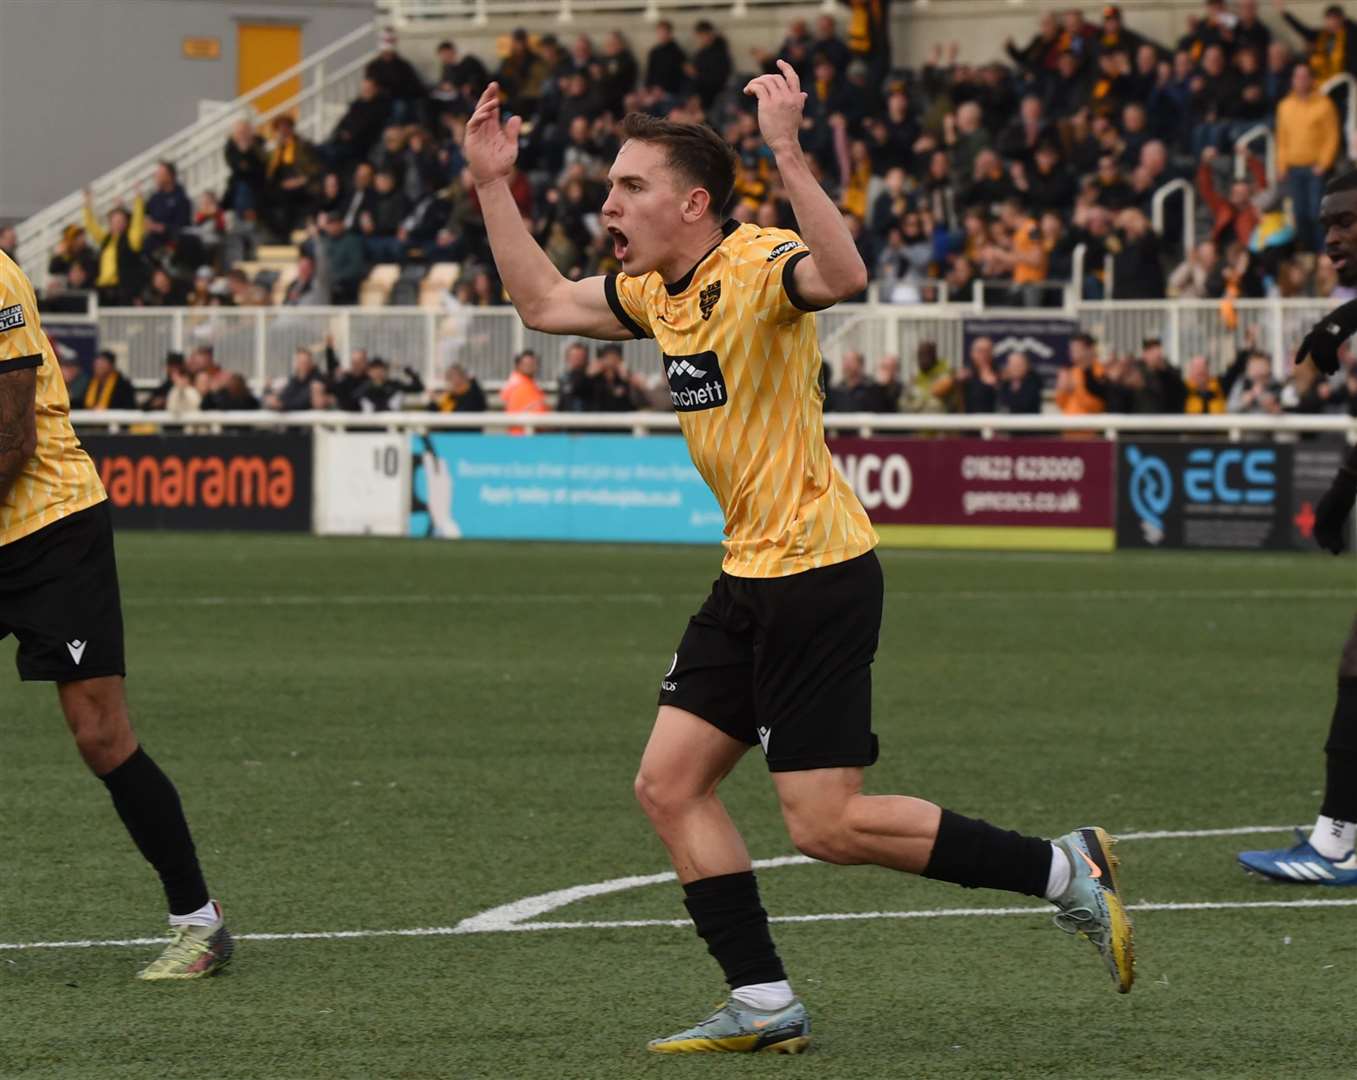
1189	210
1241	151
203	139
1332	83
988	425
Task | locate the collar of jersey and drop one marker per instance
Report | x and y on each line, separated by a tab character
682	283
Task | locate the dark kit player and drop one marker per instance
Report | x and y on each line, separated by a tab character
779	656
59	597
1325	855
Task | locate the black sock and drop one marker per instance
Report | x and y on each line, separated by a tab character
149	807
975	854
731	920
1340	787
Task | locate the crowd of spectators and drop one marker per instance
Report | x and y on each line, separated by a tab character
954	174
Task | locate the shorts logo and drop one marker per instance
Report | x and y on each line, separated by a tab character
695	382
76	649
706	299
782	249
12	317
764	735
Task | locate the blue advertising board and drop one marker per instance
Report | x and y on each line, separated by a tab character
560	487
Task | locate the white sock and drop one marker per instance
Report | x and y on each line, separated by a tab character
1059	879
766	997
1332	838
207	915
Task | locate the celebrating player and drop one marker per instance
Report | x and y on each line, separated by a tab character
780	653
59	597
1326	855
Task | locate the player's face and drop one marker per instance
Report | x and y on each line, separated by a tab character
644	209
1338	219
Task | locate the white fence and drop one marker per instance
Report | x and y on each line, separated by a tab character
259	342
986	426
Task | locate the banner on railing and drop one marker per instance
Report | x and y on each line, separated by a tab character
1221	494
73	340
362	483
258	482
1035	494
560	487
1045	342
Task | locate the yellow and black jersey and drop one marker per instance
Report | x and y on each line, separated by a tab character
740	351
59	479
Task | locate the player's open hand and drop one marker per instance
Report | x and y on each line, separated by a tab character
781	101
490	148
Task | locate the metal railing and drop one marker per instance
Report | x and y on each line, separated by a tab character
1189	194
259	342
329	79
988	426
1330	86
1241	153
408	13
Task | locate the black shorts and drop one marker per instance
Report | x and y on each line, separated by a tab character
59	597
786	662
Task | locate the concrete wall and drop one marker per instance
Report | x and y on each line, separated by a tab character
86	84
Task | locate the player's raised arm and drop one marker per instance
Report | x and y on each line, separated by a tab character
545	299
834	270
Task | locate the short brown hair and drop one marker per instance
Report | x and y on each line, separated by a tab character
694	150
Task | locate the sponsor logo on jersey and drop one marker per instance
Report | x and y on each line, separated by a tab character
12	317
782	249
706	299
695	382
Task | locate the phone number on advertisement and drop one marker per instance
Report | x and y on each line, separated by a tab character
1039	469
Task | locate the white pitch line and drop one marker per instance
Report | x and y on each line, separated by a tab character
461	930
979	595
512	917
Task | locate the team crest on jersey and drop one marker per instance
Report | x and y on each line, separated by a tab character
706	299
695	382
12	317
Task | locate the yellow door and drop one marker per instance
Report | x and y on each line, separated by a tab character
264	50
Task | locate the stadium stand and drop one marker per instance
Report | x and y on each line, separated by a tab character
1081	167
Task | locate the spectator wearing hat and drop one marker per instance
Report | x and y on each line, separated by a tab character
1164	390
1115	36
397	78
71	250
381	393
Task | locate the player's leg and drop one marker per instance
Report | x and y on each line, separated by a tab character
685	760
1326	856
704	727
70	631
817	640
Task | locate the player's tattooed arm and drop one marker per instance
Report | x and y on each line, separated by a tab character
18	425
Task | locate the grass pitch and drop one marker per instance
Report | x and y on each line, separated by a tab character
389	735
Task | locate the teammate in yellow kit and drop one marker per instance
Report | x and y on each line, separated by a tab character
780	653
59	597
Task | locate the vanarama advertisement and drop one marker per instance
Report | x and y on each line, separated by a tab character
1037	494
205	482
